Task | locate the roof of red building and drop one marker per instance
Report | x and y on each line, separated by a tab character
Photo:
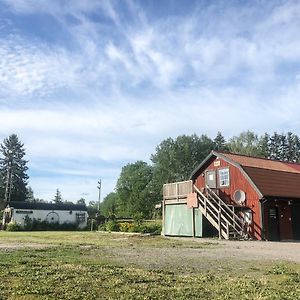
256	162
272	178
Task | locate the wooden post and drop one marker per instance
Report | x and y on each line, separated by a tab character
92	224
227	230
233	216
219	222
193	222
163	218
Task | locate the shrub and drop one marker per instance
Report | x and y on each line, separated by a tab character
134	228
111	226
138	218
102	227
151	228
38	225
125	226
147	228
13	227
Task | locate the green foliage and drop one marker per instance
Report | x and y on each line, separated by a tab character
13	226
109	204
13	169
175	159
125	226
138	227
134	190
245	143
81	201
58	197
220	143
111	226
153	228
37	225
138	218
43	225
30	195
92	209
283	146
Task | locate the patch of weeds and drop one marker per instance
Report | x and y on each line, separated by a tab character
78	269
279	269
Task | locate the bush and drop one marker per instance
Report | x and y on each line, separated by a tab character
13	227
111	226
37	225
151	228
148	228
125	226
138	218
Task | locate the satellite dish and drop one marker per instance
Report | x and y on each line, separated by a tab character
239	196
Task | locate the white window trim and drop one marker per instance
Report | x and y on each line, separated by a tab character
219	178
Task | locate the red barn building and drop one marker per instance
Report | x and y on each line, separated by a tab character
243	196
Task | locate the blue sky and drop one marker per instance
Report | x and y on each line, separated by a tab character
90	86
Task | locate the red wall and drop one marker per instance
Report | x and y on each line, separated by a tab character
237	182
285	218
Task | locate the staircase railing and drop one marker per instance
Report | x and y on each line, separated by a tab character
220	215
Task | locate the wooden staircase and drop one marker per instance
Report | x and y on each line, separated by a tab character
221	215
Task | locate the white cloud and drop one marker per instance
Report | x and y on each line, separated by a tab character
128	82
28	69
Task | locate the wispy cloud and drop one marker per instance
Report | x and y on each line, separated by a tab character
116	79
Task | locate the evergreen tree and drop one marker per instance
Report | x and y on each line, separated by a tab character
264	146
30	195
275	146
58	198
296	148
13	177
283	149
220	142
290	147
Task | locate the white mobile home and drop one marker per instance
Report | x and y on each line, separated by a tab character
50	212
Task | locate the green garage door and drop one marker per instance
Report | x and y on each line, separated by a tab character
179	221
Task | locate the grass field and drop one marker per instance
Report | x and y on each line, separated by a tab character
91	265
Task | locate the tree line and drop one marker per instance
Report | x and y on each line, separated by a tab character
139	186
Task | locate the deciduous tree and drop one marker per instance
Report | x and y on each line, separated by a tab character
134	190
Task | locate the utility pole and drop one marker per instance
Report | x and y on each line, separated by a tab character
99	199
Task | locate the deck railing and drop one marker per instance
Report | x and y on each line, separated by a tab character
177	190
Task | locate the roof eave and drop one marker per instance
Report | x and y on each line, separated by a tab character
230	161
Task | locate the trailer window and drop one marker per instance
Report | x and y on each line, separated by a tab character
224	177
80	217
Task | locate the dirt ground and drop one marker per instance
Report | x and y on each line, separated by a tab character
191	254
253	250
207	254
16	246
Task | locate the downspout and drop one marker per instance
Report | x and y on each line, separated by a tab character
262	217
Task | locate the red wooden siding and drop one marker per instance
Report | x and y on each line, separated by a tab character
285	218
237	182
